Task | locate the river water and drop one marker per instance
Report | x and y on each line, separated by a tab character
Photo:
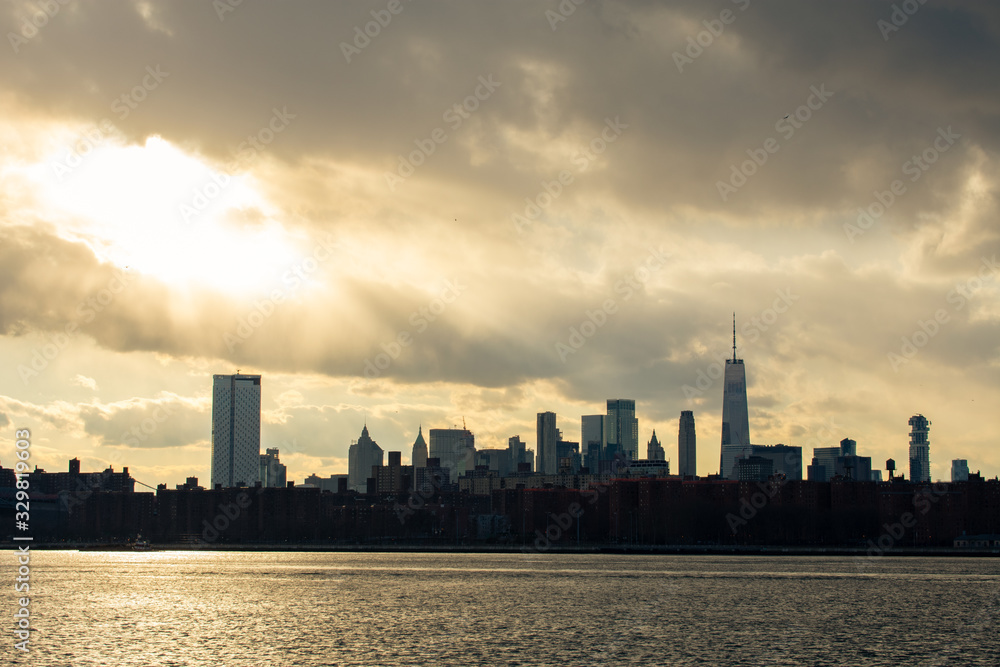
235	608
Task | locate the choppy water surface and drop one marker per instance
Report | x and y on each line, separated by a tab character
196	608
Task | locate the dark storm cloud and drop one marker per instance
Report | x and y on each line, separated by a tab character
607	59
559	89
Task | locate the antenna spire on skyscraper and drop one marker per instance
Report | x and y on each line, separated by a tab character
734	336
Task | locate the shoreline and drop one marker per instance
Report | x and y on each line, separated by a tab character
528	549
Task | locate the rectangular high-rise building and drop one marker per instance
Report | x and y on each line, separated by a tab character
959	470
841	461
517	452
592	440
687	459
455	448
824	464
735	416
621	429
546	444
920	449
785	459
235	430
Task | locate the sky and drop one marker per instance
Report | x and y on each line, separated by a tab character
408	214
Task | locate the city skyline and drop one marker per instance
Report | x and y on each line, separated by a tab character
543	228
230	406
604	438
673	286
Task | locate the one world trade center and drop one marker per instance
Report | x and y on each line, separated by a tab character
735	420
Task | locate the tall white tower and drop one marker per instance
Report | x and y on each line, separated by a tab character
735	417
235	430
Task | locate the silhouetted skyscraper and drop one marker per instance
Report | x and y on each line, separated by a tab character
920	449
786	459
621	428
361	456
687	460
517	452
735	416
567	456
235	430
654	450
959	470
546	444
455	448
592	440
273	472
419	457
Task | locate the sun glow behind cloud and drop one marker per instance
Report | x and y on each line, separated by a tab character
167	214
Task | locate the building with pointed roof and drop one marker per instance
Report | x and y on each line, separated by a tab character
419	456
654	450
362	455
